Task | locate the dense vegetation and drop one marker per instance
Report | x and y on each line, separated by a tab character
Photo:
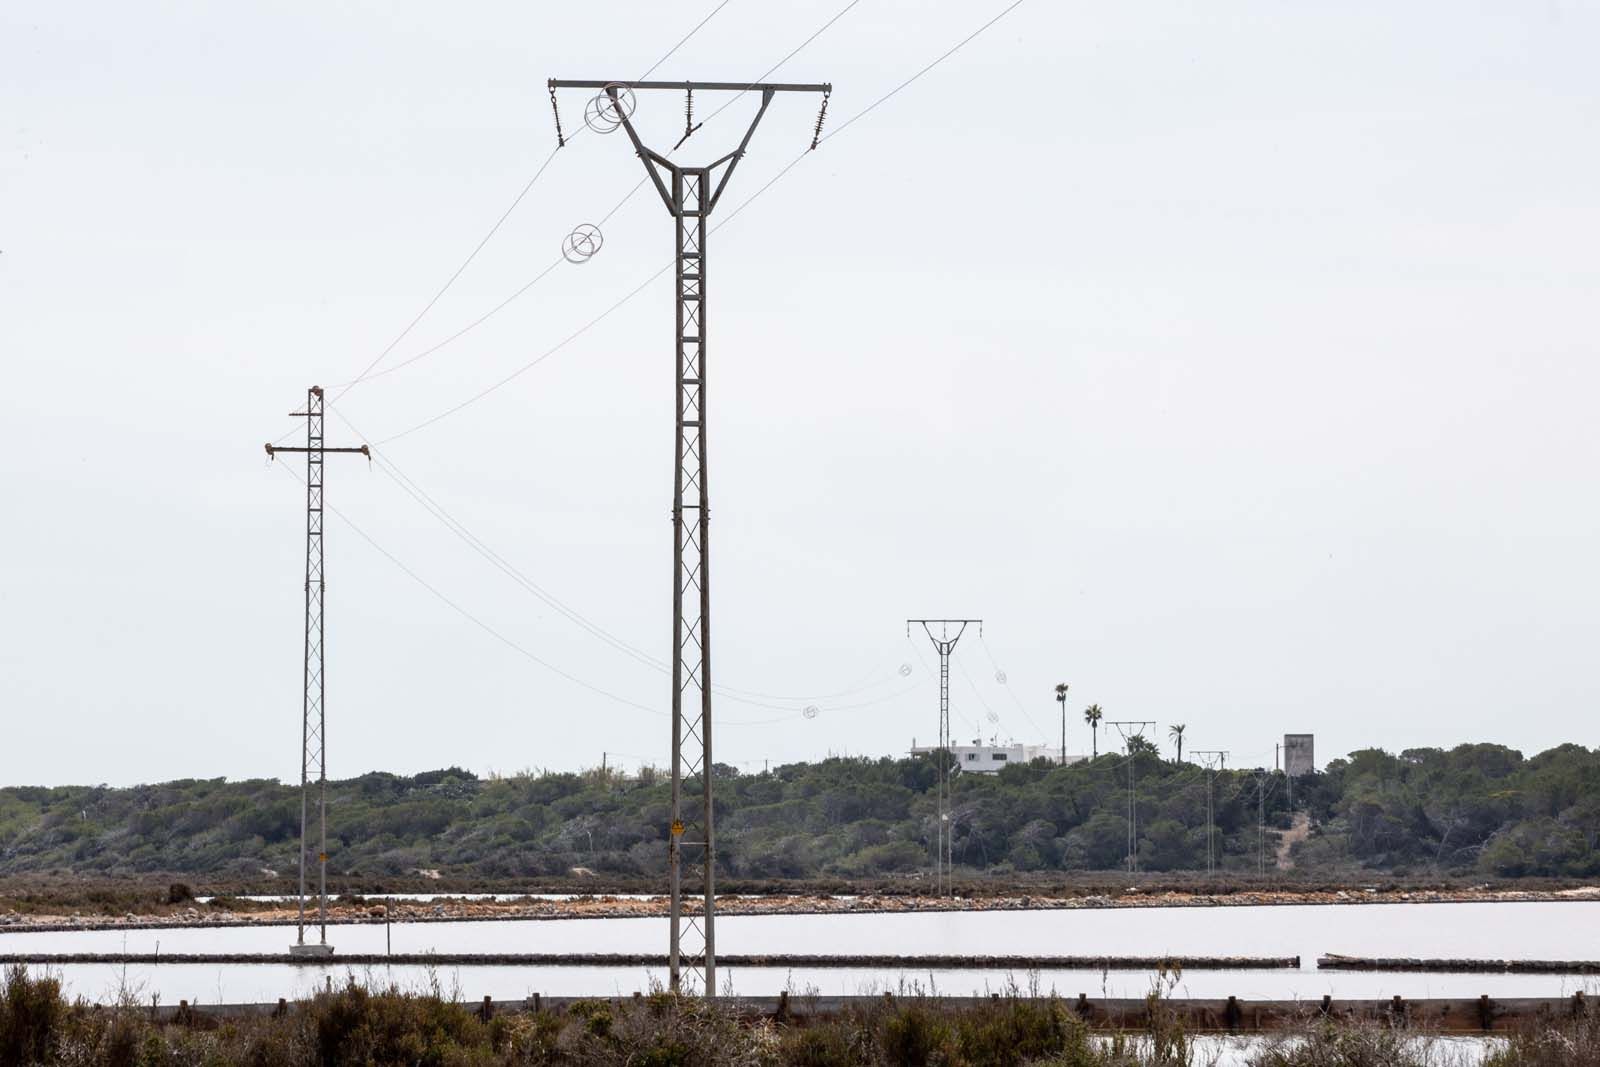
362	1028
1475	809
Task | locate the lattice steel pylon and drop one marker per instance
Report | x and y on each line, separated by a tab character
1131	730
313	718
944	644
1207	756
690	194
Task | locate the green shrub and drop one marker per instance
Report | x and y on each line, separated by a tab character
31	1016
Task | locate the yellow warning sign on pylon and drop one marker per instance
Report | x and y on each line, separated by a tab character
677	827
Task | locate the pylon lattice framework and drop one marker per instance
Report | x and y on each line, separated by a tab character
1131	729
313	717
690	194
945	645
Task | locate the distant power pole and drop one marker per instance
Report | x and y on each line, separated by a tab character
1206	756
944	644
1261	818
1132	729
313	716
690	194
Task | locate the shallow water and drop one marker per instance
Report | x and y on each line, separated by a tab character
1499	930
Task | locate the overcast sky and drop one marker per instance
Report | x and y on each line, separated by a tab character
1236	363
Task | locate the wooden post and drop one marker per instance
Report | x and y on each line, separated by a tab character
1327	1004
536	1005
488	1008
1485	1013
1233	1013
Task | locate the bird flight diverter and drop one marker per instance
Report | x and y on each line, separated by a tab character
582	243
608	109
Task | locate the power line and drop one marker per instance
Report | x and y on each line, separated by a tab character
468	328
684	40
504	215
892	93
734	213
366	372
481	319
407	484
885	98
501	637
1012	693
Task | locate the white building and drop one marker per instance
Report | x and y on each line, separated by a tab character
991	757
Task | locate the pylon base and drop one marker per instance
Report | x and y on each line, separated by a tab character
310	950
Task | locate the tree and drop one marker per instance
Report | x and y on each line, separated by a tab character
1175	731
1141	746
1092	715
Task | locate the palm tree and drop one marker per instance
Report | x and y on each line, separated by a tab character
1061	698
1175	731
1092	715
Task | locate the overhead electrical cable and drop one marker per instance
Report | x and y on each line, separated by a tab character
508	379
1012	693
992	715
367	372
685	40
501	637
629	195
450	281
407	484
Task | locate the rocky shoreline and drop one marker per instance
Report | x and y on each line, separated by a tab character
600	906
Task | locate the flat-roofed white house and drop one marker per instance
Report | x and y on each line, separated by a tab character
991	757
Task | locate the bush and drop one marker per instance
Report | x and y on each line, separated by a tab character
31	1014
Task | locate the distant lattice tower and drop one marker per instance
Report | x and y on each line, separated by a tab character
1299	754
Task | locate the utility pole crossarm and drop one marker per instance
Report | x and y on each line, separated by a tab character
273	450
705	87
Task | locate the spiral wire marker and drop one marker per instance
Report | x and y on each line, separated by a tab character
582	243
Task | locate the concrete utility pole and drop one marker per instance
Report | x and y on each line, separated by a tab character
690	194
944	644
313	713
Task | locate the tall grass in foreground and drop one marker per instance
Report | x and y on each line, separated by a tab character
357	1025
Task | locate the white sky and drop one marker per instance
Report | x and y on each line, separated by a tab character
1235	362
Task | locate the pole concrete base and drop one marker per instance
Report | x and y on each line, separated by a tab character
310	950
